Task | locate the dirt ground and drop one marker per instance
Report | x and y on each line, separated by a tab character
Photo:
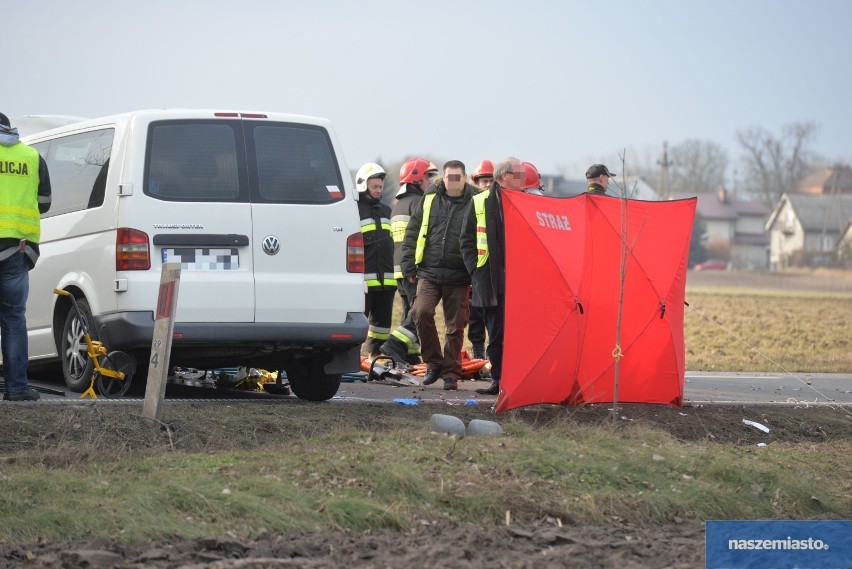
540	544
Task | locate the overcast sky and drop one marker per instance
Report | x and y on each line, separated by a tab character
559	83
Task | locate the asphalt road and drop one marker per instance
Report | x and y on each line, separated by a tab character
699	388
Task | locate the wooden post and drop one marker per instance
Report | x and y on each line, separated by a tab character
161	345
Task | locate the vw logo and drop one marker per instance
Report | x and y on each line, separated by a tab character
271	245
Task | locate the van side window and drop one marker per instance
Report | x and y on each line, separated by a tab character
192	161
78	166
295	164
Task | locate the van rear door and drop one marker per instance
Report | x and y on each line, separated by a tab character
196	170
301	222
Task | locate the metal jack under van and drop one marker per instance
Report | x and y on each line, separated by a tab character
257	208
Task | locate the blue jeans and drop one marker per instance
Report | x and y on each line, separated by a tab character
14	288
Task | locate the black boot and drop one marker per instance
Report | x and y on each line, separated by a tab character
493	389
479	351
392	349
28	394
431	376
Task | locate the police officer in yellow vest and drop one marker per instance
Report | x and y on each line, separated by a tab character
431	257
24	195
482	244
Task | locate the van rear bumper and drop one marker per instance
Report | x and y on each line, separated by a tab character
133	330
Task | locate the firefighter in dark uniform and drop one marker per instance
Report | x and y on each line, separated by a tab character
404	345
378	254
598	178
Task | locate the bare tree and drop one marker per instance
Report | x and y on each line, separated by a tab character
773	166
698	166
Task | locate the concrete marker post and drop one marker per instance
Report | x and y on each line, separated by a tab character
161	345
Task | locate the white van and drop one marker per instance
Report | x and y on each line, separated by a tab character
259	210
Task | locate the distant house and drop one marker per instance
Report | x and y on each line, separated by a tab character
844	246
827	181
805	229
734	228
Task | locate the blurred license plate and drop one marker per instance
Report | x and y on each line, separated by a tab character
203	259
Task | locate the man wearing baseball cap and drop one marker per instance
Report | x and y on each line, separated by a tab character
598	177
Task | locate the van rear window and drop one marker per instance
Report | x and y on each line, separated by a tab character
240	161
194	161
294	164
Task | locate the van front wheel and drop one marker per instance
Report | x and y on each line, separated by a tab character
309	381
76	365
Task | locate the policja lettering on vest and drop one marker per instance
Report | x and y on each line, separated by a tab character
19	168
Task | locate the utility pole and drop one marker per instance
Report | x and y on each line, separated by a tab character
664	163
832	208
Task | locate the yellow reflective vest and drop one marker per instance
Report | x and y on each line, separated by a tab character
481	235
424	228
19	215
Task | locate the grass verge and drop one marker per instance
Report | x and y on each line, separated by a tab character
361	479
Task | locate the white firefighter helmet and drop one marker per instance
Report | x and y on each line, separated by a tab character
367	171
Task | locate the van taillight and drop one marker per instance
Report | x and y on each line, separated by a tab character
355	253
131	250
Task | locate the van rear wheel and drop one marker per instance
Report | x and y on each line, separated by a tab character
77	368
309	381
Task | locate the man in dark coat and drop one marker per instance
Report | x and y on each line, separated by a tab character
482	244
431	258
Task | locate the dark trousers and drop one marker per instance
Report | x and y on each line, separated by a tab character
494	317
14	289
407	292
456	303
378	306
404	340
476	326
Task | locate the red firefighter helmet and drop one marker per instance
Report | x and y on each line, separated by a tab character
413	171
485	168
532	179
